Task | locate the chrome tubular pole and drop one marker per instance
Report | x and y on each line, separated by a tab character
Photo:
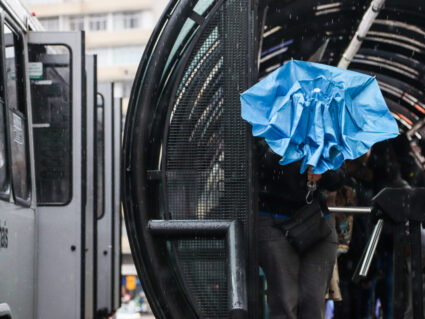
362	268
350	210
364	26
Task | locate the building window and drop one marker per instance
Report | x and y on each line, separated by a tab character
98	22
127	20
52	123
51	24
76	23
133	20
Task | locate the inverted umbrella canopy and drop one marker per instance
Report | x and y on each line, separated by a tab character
317	113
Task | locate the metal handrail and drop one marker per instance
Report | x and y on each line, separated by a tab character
232	231
350	210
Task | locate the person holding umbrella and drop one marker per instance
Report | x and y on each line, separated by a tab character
309	118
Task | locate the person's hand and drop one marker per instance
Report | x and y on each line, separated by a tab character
313	177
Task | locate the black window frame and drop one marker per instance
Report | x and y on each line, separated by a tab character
97	158
71	123
4	194
22	107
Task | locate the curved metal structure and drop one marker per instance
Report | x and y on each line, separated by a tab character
186	150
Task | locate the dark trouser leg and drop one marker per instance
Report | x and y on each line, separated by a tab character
315	272
280	264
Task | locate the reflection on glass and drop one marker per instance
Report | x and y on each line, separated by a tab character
3	154
10	42
52	117
100	155
17	120
19	163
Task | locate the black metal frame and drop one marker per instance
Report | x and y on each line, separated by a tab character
71	114
83	171
4	195
399	206
142	167
145	171
232	231
97	217
200	25
120	215
112	159
95	192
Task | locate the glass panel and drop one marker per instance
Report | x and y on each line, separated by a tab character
17	120
127	20
98	22
12	90
4	176
202	6
19	161
52	117
188	25
100	156
76	23
51	24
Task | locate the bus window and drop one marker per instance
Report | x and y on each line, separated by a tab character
4	174
17	121
12	96
100	155
52	122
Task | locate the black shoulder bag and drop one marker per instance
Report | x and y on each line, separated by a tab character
308	225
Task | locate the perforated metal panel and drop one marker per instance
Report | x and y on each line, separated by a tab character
186	152
206	158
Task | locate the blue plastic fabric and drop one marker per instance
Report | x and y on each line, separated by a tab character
318	113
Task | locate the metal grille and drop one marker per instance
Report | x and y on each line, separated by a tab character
206	154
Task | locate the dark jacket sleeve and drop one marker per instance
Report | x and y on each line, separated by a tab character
332	180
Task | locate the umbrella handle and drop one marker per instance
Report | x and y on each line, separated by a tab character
311	187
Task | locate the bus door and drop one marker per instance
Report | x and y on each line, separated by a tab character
17	212
117	216
58	100
90	249
105	221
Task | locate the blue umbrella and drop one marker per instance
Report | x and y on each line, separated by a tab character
317	113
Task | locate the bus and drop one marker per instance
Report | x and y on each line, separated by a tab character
60	138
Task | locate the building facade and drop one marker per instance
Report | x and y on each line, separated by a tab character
117	31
